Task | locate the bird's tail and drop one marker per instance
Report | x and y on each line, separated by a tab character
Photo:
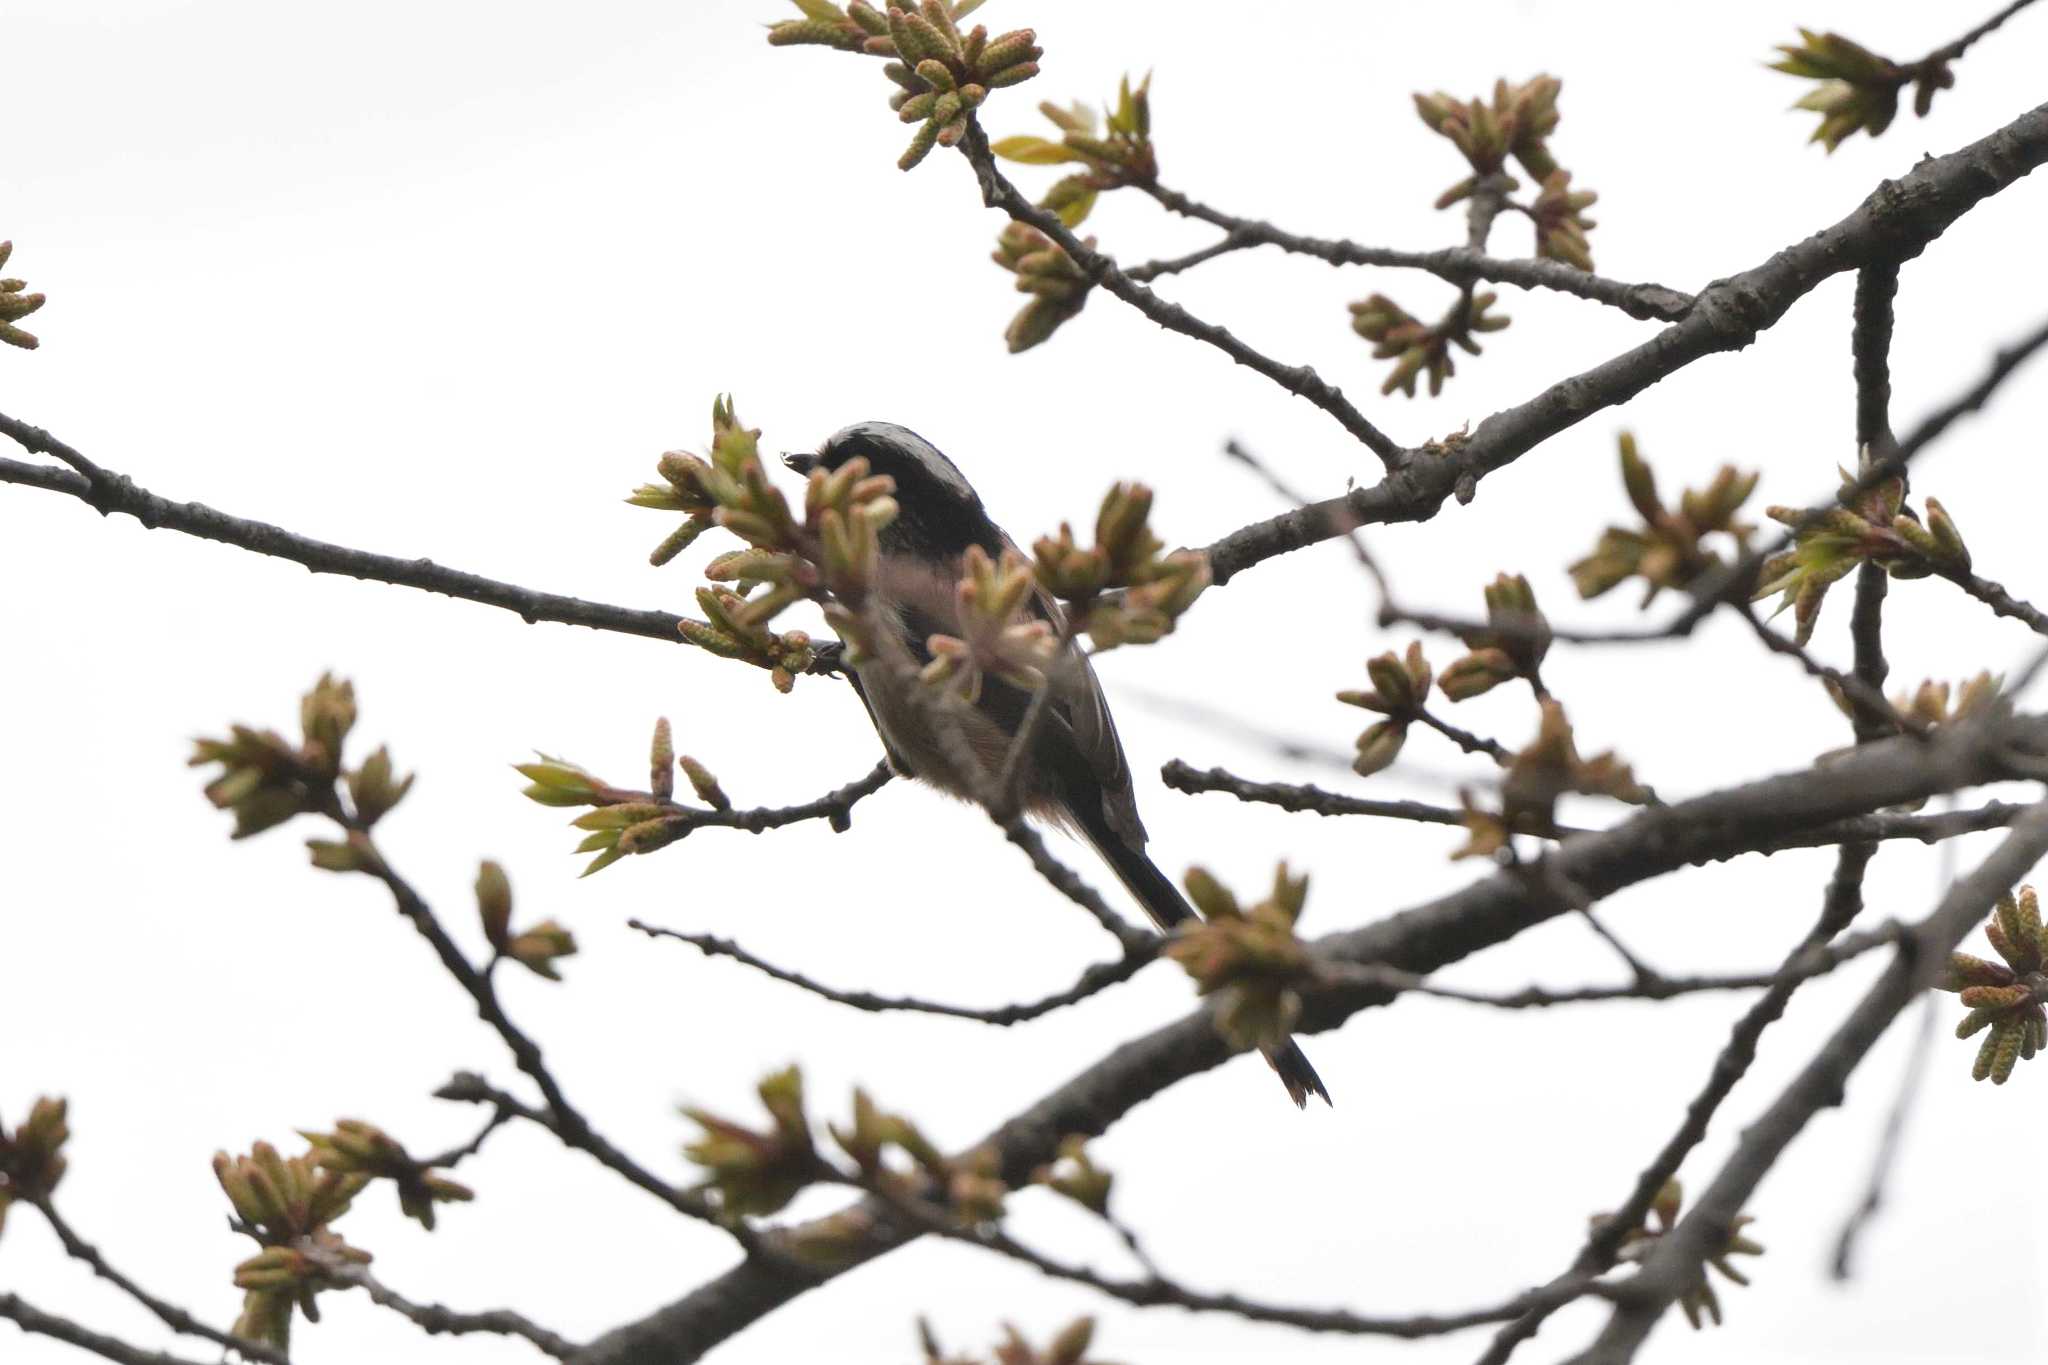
1167	907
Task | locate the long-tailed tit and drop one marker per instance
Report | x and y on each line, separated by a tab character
1074	773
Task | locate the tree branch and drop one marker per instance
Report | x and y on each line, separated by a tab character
1676	1261
169	1314
1093	981
33	1320
1421	940
1300	380
435	1320
1894	222
1460	265
1843	899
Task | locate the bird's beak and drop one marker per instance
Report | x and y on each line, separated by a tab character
802	461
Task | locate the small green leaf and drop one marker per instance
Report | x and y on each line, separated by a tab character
1033	151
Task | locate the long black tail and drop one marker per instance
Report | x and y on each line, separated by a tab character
1167	907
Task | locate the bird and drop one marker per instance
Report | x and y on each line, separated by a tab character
1074	775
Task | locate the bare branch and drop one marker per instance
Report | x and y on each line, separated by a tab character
1963	44
1844	898
1457	265
435	1320
1093	981
1676	1261
121	494
565	1120
1156	1291
33	1320
1842	1267
1152	270
1926	829
169	1314
1815	960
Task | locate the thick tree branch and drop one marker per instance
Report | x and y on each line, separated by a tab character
1419	940
1896	221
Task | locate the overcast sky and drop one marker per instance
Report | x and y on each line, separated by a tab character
445	279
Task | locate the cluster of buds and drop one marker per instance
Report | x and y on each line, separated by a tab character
1121	155
1419	348
1400	687
358	1148
16	305
2010	998
1055	281
1668	552
832	549
288	1208
621	821
1001	636
1934	704
1699	1302
1559	213
1157	588
1249	958
1074	1174
1870	525
1537	776
759	1171
537	948
970	1186
1858	91
942	75
265	780
1070	1347
32	1156
1514	124
1513	645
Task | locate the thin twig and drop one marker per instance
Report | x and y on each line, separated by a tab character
1963	44
1843	1266
435	1319
1816	961
1154	1291
1465	739
566	1121
1152	270
1456	265
1093	981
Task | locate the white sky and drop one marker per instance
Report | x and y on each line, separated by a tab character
444	280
